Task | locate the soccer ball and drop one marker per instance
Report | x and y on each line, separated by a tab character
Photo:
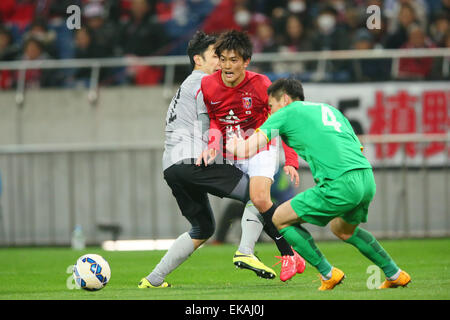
91	272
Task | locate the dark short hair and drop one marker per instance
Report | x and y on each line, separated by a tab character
292	87
238	41
198	45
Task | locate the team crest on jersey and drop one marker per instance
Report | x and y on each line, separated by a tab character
247	102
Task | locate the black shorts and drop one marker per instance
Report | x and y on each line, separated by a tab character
190	185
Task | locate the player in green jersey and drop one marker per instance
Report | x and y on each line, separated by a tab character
345	184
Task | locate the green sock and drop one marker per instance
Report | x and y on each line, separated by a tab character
366	243
302	241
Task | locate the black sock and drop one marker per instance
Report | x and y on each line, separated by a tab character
283	246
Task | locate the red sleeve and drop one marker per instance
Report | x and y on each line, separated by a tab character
265	85
266	82
290	155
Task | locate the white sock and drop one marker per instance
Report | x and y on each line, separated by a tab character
252	227
395	276
328	276
180	250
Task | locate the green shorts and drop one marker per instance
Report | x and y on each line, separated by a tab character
348	197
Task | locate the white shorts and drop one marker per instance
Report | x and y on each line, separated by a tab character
262	164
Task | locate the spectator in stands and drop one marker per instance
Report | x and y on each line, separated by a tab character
143	35
331	36
39	30
294	37
300	9
392	9
234	14
342	7
33	49
83	50
368	69
103	32
243	17
284	10
353	19
263	42
83	44
441	65
416	68
263	39
8	50
267	7
438	29
223	18
406	18
181	19
54	11
54	14
17	13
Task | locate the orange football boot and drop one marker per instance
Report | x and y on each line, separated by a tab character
402	281
337	276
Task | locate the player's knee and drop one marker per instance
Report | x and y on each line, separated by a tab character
204	231
342	233
278	221
261	201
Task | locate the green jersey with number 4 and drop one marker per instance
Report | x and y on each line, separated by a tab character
321	135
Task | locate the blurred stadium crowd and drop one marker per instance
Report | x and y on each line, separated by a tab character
36	29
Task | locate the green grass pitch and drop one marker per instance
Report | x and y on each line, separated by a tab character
209	274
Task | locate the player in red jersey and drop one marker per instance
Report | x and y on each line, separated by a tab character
237	104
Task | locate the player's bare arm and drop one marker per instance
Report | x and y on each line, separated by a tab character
247	148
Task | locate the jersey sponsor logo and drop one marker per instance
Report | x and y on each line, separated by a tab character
215	102
230	118
247	102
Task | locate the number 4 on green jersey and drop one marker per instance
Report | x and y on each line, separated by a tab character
329	119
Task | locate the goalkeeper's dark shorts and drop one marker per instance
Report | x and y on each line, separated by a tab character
190	185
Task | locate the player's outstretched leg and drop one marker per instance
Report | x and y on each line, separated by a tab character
251	262
286	220
291	262
303	242
180	250
368	245
251	230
